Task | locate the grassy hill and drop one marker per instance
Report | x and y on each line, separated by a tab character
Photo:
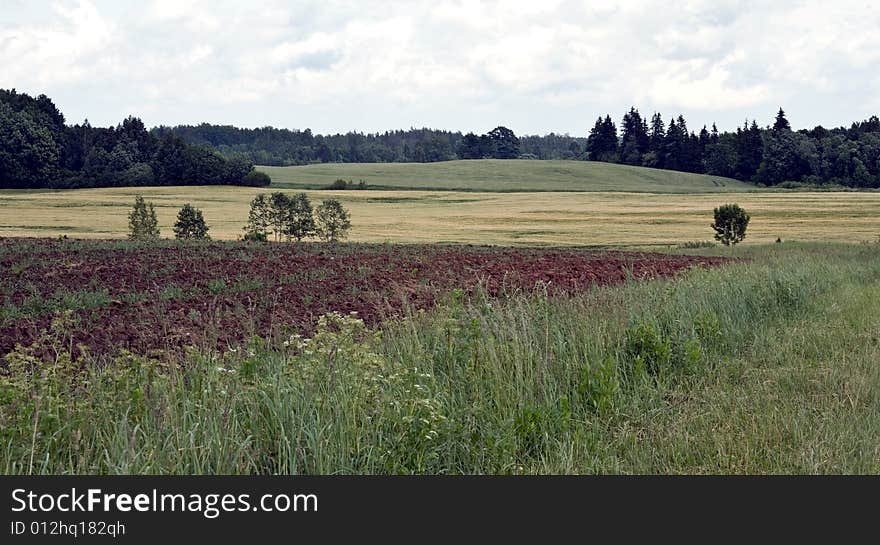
494	175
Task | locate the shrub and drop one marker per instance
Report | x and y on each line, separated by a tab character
255	237
647	350
142	222
730	224
339	183
696	244
190	224
256	178
598	385
332	221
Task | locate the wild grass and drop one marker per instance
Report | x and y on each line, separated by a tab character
764	366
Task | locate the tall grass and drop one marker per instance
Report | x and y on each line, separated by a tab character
767	365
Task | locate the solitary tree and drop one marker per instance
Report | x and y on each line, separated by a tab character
332	220
258	219
299	222
190	224
730	224
142	223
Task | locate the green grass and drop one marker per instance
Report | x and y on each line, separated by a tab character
494	175
768	365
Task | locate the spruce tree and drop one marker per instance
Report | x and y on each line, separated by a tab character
656	138
634	141
672	144
781	123
602	142
749	151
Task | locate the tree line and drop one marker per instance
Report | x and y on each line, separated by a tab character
285	217
39	150
770	155
286	147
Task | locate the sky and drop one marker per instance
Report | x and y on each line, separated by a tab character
533	66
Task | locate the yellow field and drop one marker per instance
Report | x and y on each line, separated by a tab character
595	218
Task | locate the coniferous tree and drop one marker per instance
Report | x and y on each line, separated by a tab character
634	140
672	145
602	144
749	151
705	138
781	123
656	138
720	156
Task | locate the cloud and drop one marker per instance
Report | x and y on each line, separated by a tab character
58	52
465	64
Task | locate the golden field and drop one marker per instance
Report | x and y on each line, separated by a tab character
533	218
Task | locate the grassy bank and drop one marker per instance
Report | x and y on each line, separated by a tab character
768	365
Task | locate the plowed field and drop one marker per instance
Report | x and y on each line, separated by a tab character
161	298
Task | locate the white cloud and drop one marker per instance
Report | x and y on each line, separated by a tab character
54	53
466	64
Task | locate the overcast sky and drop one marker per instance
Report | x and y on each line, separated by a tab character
535	66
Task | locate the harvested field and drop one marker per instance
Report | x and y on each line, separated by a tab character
155	299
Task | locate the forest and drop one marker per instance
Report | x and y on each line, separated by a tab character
285	147
38	150
771	156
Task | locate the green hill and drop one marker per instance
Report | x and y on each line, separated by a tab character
496	175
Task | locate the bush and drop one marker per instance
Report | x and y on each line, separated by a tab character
255	237
190	224
696	244
648	350
730	224
256	178
142	223
339	183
